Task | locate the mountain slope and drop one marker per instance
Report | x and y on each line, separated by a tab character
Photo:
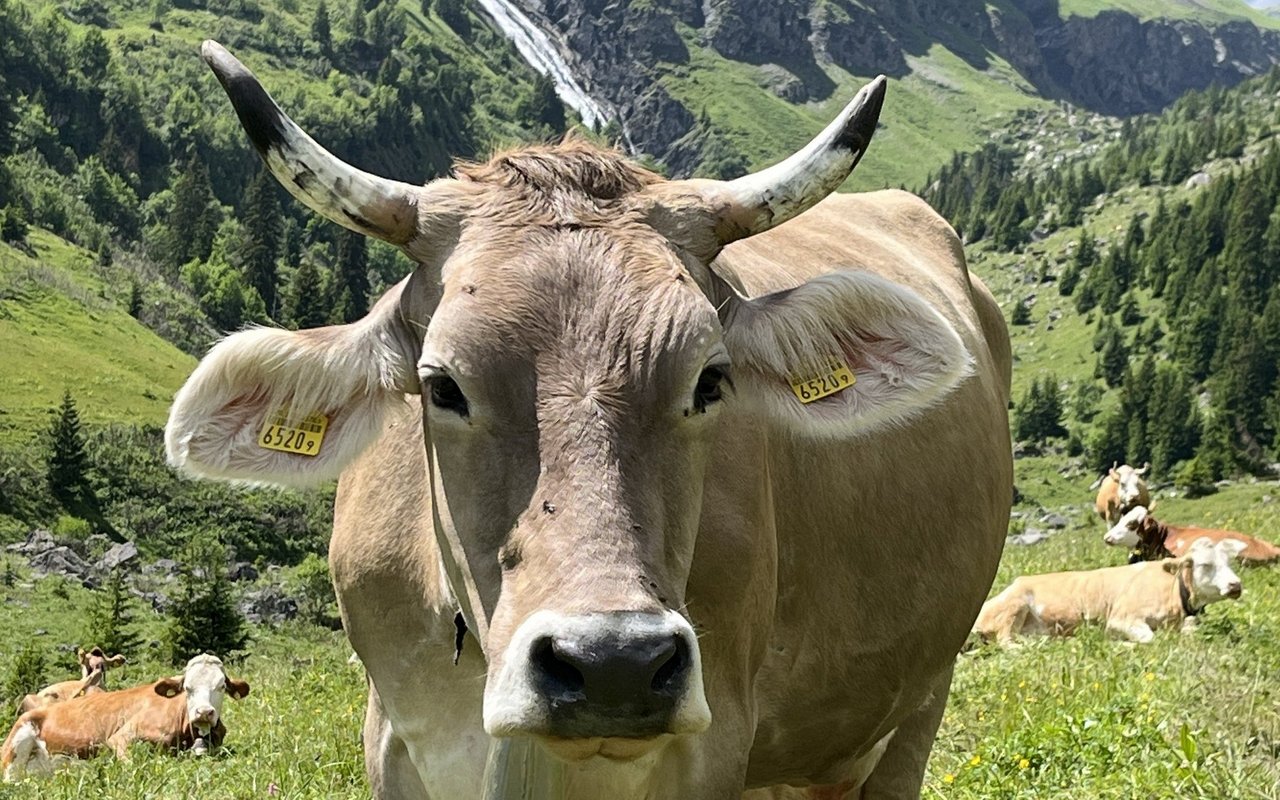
727	85
63	329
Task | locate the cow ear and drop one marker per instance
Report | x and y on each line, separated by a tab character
237	689
1232	547
117	660
1172	565
169	687
843	354
292	407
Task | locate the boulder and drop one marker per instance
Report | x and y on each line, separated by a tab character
269	604
242	571
60	561
117	556
38	541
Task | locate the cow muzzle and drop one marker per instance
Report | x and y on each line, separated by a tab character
618	675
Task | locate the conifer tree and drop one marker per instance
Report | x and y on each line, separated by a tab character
26	675
320	31
68	464
111	622
351	281
204	617
1113	360
193	218
306	304
263	235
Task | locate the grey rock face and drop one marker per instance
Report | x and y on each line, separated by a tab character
269	604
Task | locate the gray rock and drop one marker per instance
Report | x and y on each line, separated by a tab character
1031	536
1055	521
60	561
161	566
38	541
242	571
1197	180
117	556
157	600
270	604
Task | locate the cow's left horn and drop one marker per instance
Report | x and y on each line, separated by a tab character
757	202
329	186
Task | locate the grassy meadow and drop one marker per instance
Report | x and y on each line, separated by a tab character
1189	716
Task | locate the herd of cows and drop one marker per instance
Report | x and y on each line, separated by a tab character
623	507
1173	573
78	718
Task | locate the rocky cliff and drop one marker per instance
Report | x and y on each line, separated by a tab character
1112	63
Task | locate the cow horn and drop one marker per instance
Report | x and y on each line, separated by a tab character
354	199
757	202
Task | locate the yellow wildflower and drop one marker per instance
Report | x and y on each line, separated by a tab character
975	761
948	778
1023	763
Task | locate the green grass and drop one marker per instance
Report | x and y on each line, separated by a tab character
1090	717
1085	717
63	328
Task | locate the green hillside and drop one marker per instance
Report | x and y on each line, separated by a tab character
64	327
1211	11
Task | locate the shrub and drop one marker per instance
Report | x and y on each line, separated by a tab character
25	676
314	589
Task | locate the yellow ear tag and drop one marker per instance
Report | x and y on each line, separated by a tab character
302	438
837	378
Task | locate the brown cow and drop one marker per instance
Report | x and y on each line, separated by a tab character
595	422
1121	489
1132	600
93	678
1152	539
182	712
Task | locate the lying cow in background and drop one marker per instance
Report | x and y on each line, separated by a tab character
182	712
1152	539
93	678
1121	489
1132	600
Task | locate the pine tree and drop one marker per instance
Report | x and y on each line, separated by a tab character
68	464
1113	360
111	623
1038	415
351	281
26	675
305	304
193	218
320	32
1107	446
135	299
204	617
263	234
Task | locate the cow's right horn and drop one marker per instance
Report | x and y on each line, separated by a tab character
352	198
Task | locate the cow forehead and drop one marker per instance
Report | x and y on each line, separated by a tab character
569	292
203	671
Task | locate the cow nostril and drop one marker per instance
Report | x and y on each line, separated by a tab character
561	676
670	670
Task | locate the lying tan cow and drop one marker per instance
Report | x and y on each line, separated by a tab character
1120	490
182	712
93	678
1132	601
608	410
1152	539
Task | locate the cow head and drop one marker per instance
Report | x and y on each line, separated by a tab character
1131	528
1129	484
574	345
97	660
205	683
1208	573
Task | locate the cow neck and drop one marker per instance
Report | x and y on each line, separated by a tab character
1184	593
1151	546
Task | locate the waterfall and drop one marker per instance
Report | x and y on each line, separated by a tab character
541	52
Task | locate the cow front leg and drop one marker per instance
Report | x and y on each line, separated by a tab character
1132	630
119	743
392	773
900	771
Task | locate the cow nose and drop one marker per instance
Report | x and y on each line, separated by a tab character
1234	589
611	682
204	714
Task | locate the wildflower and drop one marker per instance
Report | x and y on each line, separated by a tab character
1150	676
975	761
1023	763
948	778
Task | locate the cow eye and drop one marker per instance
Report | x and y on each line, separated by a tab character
445	394
709	386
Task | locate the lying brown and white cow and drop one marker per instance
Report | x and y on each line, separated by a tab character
596	420
1151	539
1121	489
93	678
182	712
1132	600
